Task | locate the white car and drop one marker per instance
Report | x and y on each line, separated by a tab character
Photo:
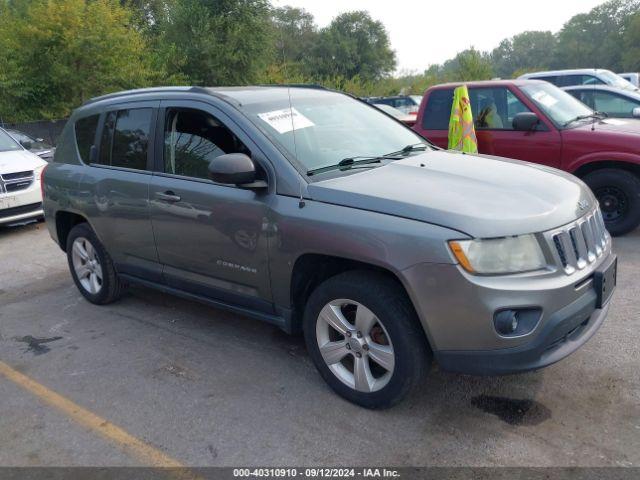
582	76
20	175
633	78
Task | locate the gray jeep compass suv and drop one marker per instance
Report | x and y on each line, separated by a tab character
320	214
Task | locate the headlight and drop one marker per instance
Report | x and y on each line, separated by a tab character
38	170
499	255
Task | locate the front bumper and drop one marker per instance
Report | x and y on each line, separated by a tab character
563	333
21	205
457	309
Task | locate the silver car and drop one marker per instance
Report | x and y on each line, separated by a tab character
318	213
582	76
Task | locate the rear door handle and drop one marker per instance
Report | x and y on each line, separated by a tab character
168	196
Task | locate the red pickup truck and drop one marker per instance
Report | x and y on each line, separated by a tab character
535	121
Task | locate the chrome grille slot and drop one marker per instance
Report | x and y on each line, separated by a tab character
16	175
580	243
560	250
13	182
579	246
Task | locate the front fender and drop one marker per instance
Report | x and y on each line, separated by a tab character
603	156
389	242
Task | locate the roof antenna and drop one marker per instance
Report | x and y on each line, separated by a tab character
593	122
301	202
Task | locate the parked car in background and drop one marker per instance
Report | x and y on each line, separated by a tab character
406	118
584	76
34	145
537	122
633	78
614	102
307	209
408	104
20	171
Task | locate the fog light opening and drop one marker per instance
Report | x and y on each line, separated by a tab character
506	322
513	322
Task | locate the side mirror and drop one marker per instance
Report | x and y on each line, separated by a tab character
636	112
525	122
39	140
26	144
236	169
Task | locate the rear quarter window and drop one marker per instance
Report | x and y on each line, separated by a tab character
85	135
438	110
125	138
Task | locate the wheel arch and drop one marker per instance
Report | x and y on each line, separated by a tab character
311	269
585	168
65	221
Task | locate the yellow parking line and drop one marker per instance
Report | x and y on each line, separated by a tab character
148	454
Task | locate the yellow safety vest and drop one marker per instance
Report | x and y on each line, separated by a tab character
462	134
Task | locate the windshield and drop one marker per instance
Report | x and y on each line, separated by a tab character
616	80
555	103
23	137
329	127
8	144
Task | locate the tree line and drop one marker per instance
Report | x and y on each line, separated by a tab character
56	54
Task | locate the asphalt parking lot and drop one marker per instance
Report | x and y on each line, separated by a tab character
157	375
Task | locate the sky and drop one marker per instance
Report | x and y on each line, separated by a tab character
424	32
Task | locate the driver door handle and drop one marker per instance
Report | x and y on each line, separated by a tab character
168	196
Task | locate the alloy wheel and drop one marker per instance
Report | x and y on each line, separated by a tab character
87	265
355	345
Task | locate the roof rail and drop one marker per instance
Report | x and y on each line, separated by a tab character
295	85
138	91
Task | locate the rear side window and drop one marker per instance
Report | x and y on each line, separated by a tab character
438	110
571	80
553	80
85	136
125	138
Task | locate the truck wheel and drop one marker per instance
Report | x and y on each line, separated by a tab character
91	267
618	192
365	338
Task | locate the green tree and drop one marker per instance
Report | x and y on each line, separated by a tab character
631	55
57	54
217	42
295	34
531	50
595	39
468	65
353	45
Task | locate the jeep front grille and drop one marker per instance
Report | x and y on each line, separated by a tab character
14	182
581	243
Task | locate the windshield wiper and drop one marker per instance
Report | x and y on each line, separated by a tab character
349	162
598	115
346	163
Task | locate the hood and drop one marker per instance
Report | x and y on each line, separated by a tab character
613	125
474	194
19	161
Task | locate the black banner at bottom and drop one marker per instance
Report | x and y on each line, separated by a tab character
268	473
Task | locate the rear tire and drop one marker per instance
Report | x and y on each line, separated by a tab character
618	192
382	354
91	266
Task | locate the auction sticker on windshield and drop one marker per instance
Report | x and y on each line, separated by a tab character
286	120
545	99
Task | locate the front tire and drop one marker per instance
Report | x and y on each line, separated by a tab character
91	266
618	192
365	338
